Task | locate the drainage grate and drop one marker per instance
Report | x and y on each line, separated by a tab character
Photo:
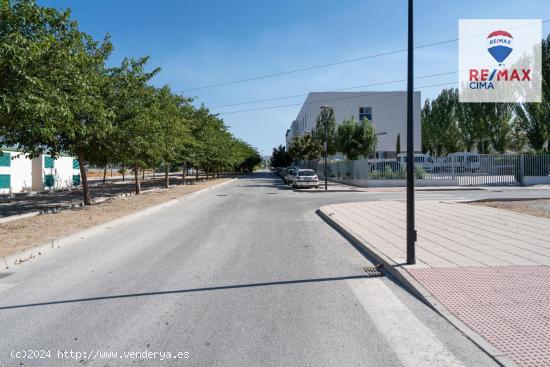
373	271
221	195
4	275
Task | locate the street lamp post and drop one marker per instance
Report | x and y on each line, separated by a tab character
411	231
326	148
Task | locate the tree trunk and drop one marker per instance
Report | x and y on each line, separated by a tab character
184	169
143	174
196	175
123	173
136	176
104	174
167	176
84	180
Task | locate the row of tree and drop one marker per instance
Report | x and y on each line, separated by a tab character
57	94
354	139
449	126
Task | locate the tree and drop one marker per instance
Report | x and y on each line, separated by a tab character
398	144
325	125
280	157
137	132
52	85
305	147
174	130
356	139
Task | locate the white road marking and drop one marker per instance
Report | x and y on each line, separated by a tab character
412	342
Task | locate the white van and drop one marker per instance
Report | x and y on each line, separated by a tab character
464	161
422	160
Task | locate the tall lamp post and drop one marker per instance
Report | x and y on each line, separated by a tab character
411	231
326	147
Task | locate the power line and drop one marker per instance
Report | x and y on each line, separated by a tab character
387	53
369	94
333	90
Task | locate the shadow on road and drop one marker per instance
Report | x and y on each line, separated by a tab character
182	291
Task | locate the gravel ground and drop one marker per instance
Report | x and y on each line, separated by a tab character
539	208
26	233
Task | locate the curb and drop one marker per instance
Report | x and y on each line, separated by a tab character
72	206
398	273
24	256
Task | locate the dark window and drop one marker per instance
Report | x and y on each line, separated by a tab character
76	180
365	113
5	160
5	181
48	162
48	180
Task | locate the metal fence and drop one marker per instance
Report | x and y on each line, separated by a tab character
453	170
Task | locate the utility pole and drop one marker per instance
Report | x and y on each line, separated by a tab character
411	231
326	147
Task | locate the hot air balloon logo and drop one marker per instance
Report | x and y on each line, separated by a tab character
500	45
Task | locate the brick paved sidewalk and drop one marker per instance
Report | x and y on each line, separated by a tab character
488	267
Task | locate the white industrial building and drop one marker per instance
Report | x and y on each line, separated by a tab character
18	173
386	110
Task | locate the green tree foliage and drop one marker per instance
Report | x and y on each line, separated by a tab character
448	125
534	118
305	147
325	130
356	139
52	85
57	95
280	157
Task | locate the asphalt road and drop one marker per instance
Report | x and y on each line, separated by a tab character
243	275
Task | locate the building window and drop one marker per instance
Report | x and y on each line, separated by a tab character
5	181
49	180
48	162
76	180
5	160
365	113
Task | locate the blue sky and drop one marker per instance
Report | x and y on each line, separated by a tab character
207	42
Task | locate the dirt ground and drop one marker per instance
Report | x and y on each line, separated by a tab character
22	234
539	208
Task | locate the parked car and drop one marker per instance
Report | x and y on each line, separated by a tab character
288	175
305	178
422	160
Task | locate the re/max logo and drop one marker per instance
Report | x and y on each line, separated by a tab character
486	75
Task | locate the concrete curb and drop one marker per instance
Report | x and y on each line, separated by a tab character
397	272
29	254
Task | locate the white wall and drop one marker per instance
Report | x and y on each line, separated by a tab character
389	114
62	172
20	173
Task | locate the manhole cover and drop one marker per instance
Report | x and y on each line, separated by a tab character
4	275
373	271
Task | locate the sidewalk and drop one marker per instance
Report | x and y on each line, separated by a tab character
487	270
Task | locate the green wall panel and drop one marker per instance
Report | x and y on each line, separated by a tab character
5	181
76	180
48	180
5	160
48	162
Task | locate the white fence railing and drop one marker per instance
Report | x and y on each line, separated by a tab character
455	170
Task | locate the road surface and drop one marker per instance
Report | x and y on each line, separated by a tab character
243	275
